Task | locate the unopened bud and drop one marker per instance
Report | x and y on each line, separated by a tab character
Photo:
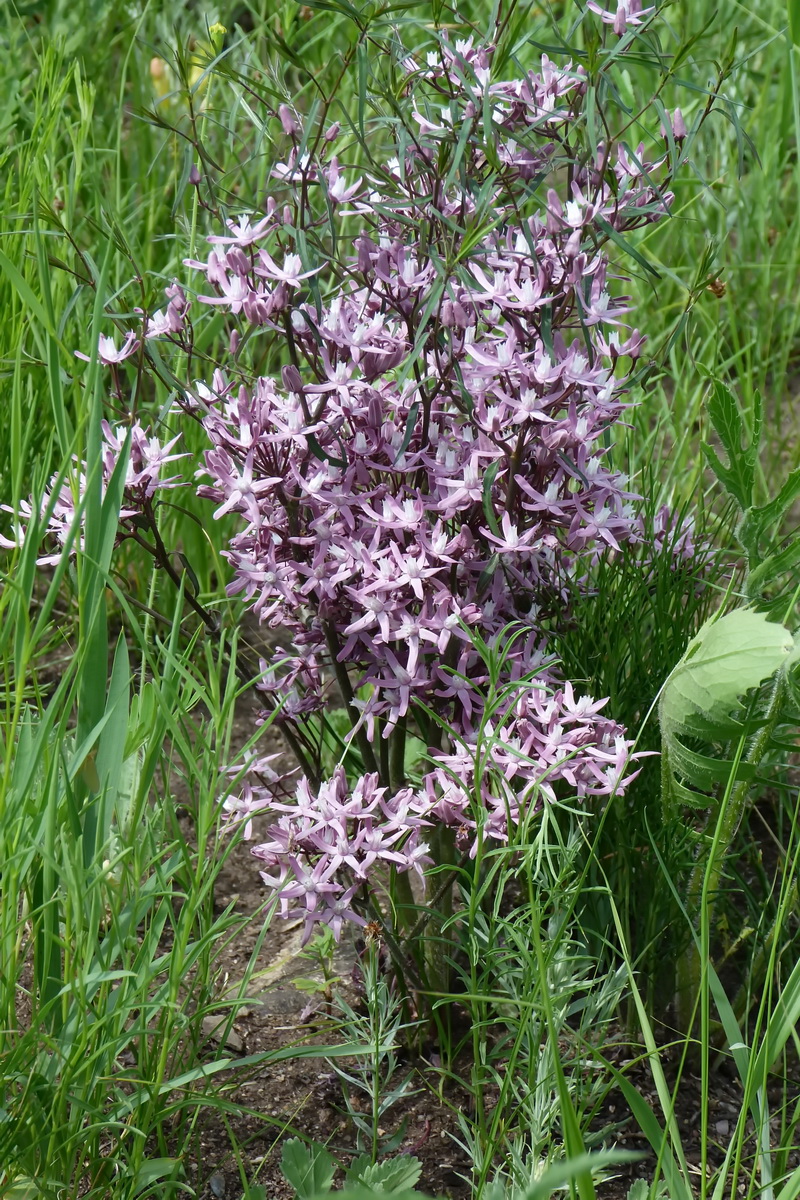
216	34
365	247
237	261
292	379
332	132
573	244
677	125
256	309
288	122
194	175
176	294
460	315
279	299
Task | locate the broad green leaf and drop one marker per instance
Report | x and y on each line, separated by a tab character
688	798
726	658
704	770
309	1168
392	1175
155	1168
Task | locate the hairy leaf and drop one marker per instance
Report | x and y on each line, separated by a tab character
726	658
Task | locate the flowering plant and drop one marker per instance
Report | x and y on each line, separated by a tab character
433	466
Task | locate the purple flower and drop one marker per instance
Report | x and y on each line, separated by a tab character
290	273
143	478
431	464
243	232
629	12
107	351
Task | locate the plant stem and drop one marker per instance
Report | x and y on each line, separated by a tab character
343	679
397	758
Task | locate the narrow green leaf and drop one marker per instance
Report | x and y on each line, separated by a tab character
411	424
25	292
793	13
488	507
618	240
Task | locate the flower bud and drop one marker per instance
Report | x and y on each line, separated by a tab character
288	122
216	33
365	248
238	261
255	309
292	379
460	315
176	294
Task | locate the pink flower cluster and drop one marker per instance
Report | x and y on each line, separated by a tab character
432	461
322	835
432	468
61	504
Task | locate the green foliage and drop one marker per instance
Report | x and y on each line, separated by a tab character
392	1175
308	1168
728	657
759	528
